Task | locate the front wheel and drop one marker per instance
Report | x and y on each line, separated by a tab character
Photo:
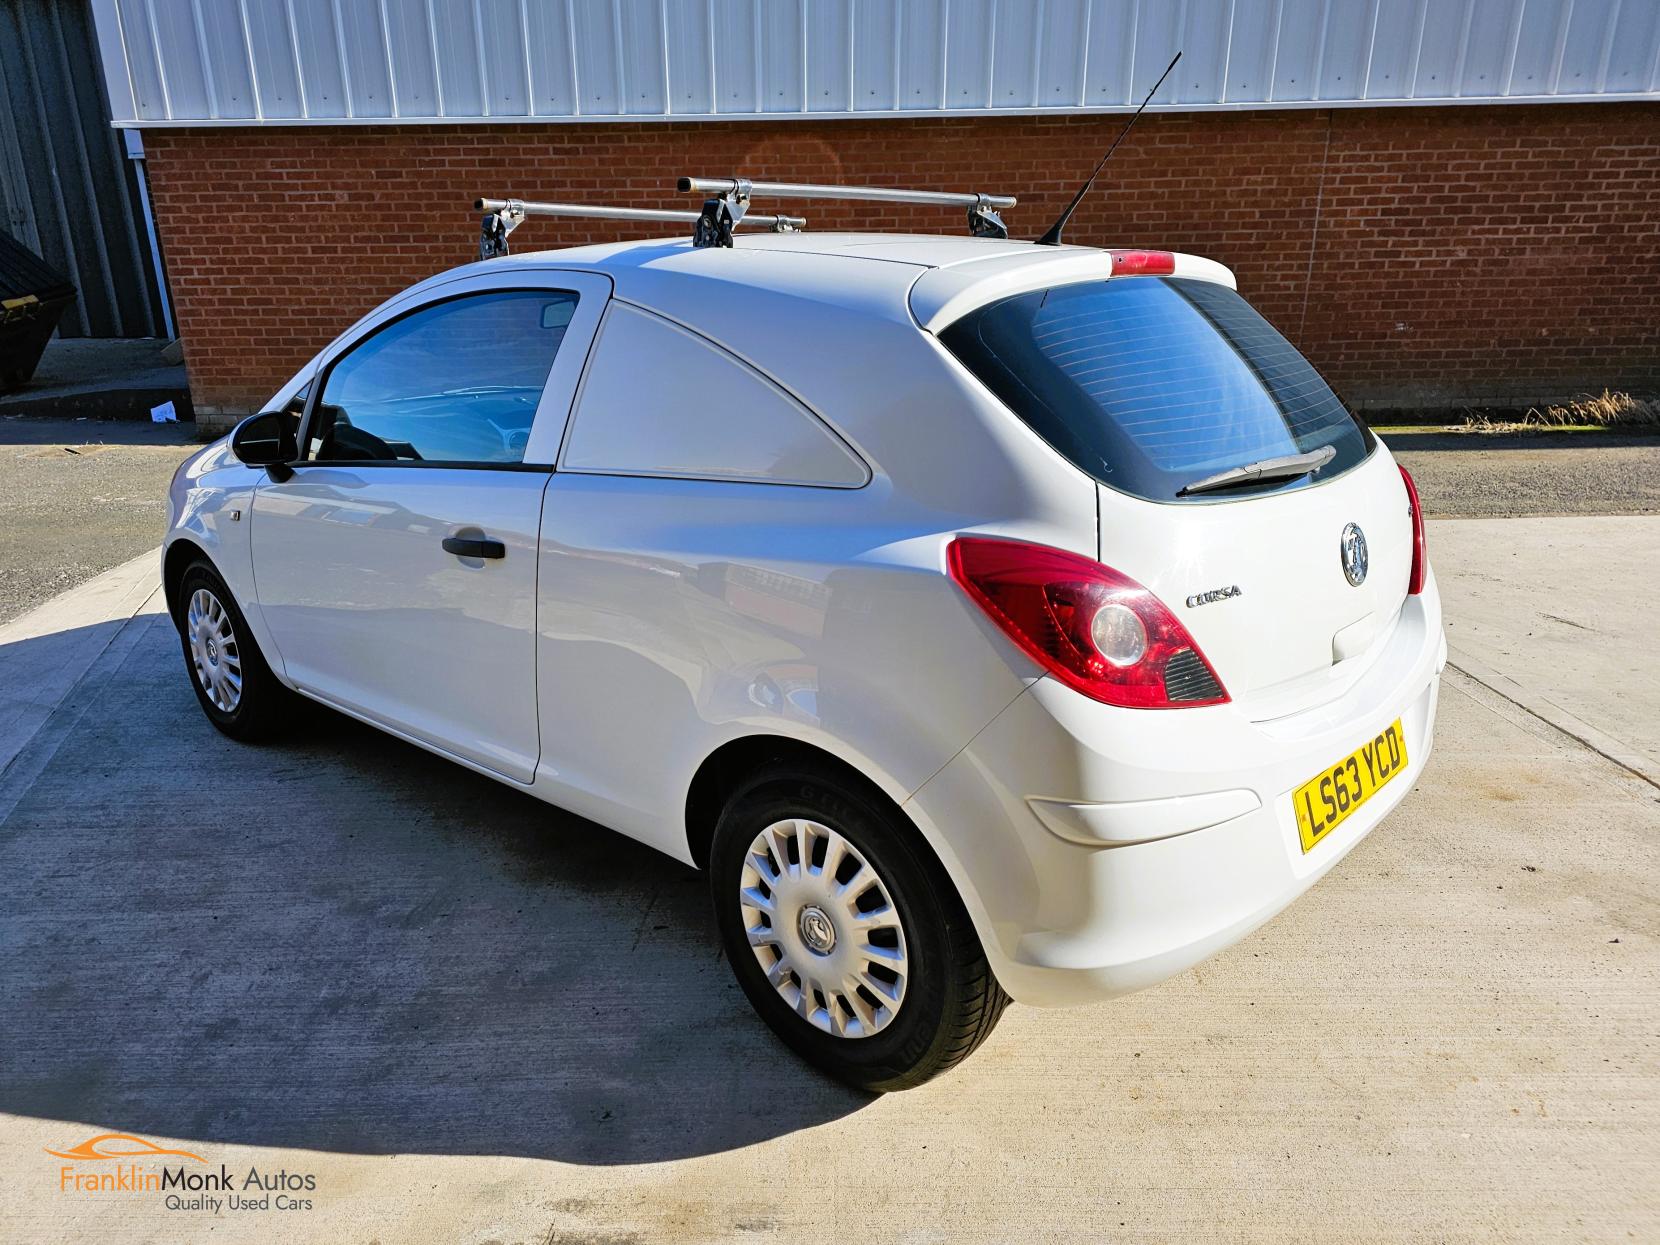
234	686
845	933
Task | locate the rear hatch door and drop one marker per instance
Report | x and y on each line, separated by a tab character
1262	584
1162	388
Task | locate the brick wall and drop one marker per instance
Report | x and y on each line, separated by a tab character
1415	254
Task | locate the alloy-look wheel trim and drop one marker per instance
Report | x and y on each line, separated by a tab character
214	652
824	928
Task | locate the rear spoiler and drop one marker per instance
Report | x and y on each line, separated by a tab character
943	295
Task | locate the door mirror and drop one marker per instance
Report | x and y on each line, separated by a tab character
267	440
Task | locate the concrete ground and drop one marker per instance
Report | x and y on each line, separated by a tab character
473	1018
1558	614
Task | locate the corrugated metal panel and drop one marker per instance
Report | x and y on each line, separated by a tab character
66	189
281	61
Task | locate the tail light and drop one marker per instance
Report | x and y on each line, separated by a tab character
1094	629
1420	551
1143	263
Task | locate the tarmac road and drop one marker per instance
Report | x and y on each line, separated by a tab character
78	497
1468	476
65	516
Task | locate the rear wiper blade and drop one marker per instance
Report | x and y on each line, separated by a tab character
1287	468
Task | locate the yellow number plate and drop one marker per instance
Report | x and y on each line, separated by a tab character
1325	801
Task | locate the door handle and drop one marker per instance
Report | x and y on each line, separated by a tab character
463	547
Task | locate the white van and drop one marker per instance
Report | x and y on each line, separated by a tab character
989	620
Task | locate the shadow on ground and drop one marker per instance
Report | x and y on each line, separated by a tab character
343	943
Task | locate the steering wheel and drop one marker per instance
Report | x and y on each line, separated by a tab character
346	442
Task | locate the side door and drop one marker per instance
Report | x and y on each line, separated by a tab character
396	565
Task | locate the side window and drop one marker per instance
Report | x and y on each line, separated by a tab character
659	400
456	381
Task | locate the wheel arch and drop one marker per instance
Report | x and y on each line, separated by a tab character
180	554
731	764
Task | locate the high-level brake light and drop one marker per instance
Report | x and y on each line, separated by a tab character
1143	263
1094	629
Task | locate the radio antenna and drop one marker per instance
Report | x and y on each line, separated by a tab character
1053	237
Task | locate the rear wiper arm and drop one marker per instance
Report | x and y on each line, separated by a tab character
1287	468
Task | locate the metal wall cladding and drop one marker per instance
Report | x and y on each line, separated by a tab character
270	61
67	190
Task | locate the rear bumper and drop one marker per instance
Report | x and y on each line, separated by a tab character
1101	850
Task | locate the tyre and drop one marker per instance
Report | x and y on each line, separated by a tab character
234	685
846	934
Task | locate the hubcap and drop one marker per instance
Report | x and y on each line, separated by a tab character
213	650
824	929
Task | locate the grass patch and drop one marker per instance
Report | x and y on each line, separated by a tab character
1585	413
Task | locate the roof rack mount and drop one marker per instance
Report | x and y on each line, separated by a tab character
503	216
735	193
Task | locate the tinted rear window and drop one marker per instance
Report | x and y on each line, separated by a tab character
1153	383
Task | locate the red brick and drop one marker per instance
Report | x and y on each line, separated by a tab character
1520	246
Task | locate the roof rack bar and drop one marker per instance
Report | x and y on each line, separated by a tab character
732	194
503	216
869	194
530	208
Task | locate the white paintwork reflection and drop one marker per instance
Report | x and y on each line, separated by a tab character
683	614
368	611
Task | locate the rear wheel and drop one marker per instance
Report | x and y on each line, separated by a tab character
233	684
845	933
